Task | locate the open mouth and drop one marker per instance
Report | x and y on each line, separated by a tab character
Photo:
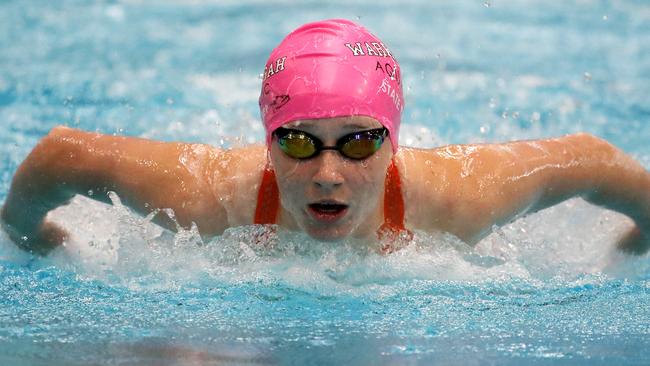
327	211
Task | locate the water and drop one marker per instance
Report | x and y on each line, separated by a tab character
547	289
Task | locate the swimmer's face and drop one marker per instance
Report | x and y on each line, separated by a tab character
330	196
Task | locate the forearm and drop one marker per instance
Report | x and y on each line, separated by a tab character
623	185
37	188
600	173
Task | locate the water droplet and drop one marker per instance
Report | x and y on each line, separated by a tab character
587	76
604	17
535	117
493	102
504	114
90	192
484	129
24	238
515	115
261	76
487	4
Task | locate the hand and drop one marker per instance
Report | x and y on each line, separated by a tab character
634	242
47	237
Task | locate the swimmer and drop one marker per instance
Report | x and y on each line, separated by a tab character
331	103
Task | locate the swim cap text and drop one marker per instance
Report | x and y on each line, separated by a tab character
371	49
274	67
390	91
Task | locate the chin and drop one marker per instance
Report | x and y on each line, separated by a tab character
330	234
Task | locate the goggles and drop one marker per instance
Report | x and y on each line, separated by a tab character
357	145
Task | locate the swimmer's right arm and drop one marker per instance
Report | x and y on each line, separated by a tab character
146	174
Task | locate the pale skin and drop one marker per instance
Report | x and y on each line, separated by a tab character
461	189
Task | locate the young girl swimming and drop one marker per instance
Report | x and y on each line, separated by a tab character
331	99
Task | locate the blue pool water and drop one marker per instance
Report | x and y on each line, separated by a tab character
546	289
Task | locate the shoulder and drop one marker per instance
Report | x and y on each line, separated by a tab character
439	183
236	175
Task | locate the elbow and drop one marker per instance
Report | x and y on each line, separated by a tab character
594	142
589	139
57	132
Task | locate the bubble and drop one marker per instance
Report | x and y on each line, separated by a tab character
535	117
170	101
605	17
90	192
487	4
587	76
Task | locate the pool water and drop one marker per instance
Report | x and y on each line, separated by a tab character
546	289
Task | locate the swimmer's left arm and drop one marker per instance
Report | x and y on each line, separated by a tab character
479	186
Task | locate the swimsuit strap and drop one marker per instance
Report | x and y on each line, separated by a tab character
268	199
393	203
268	202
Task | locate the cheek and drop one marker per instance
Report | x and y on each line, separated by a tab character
291	188
367	179
292	178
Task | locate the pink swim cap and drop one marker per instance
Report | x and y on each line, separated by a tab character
331	68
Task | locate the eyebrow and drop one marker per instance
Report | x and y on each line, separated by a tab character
348	127
353	126
356	126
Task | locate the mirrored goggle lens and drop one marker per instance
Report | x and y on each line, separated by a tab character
362	146
297	146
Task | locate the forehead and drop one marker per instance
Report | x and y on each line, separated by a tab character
350	123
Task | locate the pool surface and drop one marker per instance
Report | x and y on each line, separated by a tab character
546	289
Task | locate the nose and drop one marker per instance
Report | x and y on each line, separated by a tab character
328	175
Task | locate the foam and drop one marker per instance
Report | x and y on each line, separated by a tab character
110	243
